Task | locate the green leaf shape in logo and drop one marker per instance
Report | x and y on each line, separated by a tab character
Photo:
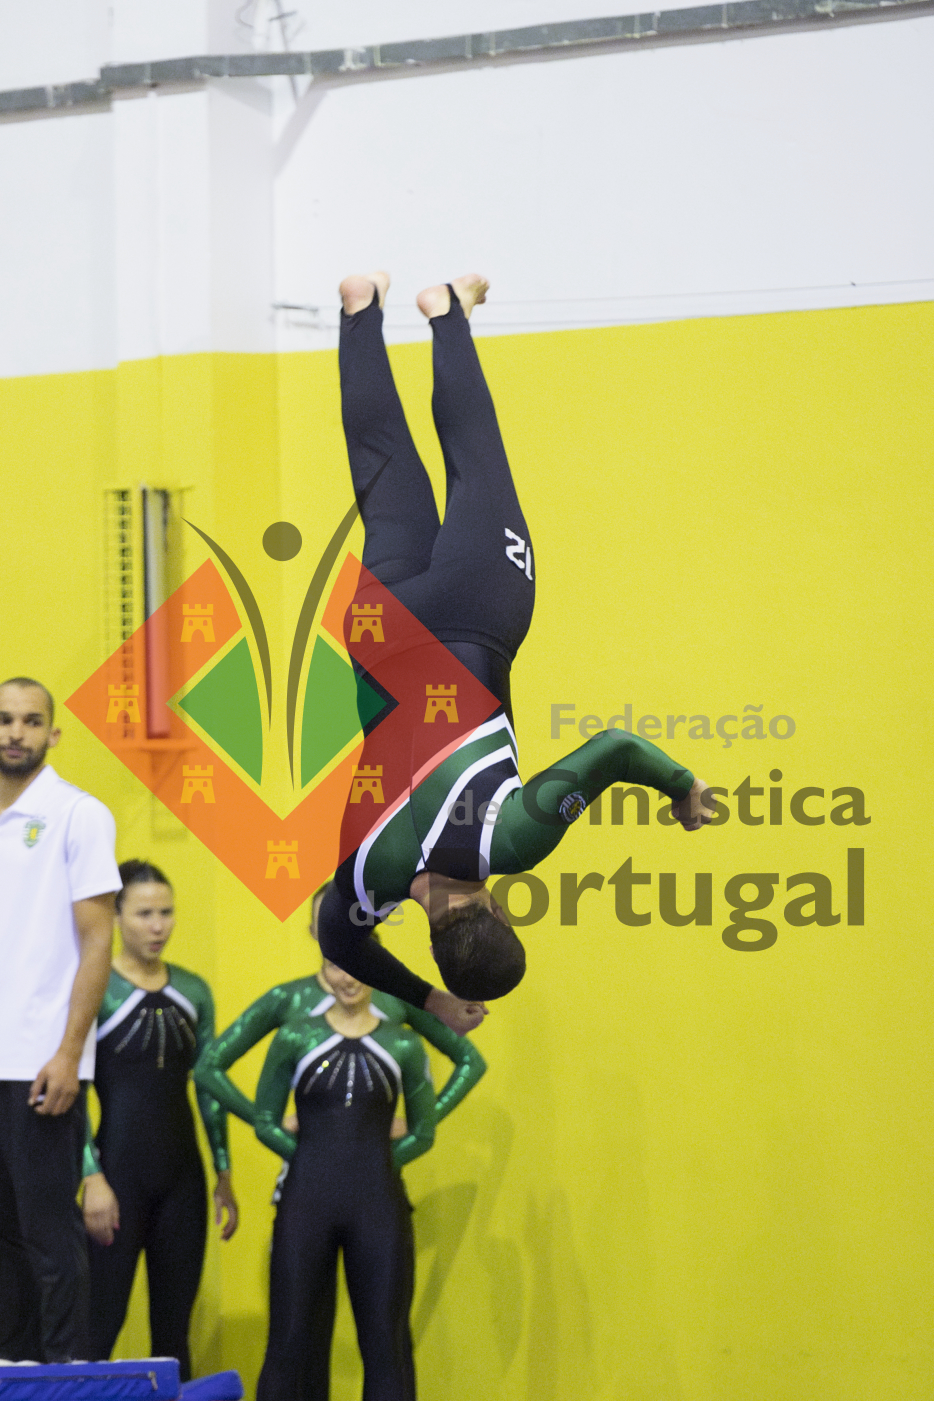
225	703
338	704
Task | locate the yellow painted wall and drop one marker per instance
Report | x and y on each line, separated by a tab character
691	1173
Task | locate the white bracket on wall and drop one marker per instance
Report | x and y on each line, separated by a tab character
301	315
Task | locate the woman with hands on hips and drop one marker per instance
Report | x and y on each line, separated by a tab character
343	1192
313	996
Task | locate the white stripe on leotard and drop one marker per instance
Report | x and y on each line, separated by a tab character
327	1003
444	813
321	1050
384	1056
486	836
182	1001
122	1012
489	727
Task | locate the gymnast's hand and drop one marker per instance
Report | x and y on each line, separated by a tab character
225	1201
460	1016
696	808
100	1208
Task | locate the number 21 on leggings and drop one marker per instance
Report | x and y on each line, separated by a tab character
516	550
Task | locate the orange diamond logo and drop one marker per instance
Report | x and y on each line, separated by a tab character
181	703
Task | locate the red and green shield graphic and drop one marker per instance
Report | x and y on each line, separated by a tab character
181	705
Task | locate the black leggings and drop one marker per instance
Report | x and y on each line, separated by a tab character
170	1224
370	1222
470	580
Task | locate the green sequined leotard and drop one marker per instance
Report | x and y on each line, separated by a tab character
307	997
387	1062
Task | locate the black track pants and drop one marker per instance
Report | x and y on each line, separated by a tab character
43	1250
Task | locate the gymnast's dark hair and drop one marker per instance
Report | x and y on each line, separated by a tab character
139	873
478	956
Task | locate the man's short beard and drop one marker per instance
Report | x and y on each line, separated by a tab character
27	765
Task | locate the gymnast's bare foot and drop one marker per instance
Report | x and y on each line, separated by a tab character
357	290
470	290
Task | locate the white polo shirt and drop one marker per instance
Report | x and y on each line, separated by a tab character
56	846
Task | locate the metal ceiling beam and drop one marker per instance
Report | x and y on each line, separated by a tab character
574	38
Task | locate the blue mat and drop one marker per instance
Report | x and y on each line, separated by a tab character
149	1379
221	1386
152	1377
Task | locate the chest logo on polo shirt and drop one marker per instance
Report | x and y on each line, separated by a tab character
32	830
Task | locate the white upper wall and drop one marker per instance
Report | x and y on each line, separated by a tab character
785	171
57	297
57	41
193	220
143	30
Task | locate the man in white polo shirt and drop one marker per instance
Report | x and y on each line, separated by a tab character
57	878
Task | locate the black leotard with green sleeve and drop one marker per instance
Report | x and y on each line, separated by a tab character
166	1031
308	997
146	1146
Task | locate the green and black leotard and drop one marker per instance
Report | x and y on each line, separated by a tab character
308	997
342	1193
147	1044
478	781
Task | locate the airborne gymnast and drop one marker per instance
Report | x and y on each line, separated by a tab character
470	581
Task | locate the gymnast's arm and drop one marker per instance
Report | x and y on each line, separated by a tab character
272	1093
213	1114
349	946
533	819
99	1204
260	1018
419	1097
91	1158
469	1065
